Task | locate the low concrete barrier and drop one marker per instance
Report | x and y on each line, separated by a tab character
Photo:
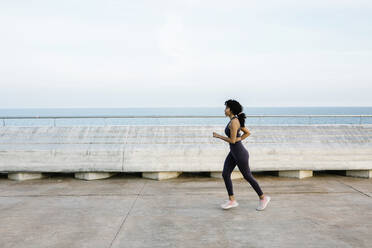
182	148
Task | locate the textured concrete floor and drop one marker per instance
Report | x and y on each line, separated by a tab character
326	210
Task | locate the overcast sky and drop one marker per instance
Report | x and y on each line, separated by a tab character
185	53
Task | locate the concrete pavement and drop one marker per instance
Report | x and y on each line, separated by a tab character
326	210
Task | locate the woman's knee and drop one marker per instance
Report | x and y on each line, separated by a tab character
226	174
248	176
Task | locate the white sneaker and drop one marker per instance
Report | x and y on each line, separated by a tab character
263	203
229	204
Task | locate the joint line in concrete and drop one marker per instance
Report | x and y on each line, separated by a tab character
357	190
124	146
125	218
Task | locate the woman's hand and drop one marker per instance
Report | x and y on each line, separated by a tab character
215	135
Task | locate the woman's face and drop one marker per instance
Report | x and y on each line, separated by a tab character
227	111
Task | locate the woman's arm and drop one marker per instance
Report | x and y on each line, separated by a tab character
233	131
227	139
246	132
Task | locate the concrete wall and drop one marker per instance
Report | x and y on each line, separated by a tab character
181	148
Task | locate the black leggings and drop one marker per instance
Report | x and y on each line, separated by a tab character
238	155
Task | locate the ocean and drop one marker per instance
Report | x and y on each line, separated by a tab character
183	111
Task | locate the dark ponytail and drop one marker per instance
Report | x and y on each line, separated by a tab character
236	109
241	117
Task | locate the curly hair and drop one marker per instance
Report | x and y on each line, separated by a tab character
237	109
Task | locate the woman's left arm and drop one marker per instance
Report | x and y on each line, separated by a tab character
233	131
227	139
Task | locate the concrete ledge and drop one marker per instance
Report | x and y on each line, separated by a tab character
161	175
234	174
149	148
296	173
359	173
93	175
21	176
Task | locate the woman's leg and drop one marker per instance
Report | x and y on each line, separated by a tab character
243	164
228	167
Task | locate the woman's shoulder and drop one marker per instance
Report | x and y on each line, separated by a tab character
235	121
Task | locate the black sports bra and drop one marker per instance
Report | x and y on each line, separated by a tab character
227	129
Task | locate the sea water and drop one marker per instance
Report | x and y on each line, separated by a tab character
200	112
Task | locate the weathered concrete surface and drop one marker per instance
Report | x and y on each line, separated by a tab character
359	173
296	173
21	176
93	175
128	211
161	175
182	148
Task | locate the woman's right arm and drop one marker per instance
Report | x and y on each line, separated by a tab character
246	133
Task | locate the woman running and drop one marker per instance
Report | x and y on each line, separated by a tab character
238	155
